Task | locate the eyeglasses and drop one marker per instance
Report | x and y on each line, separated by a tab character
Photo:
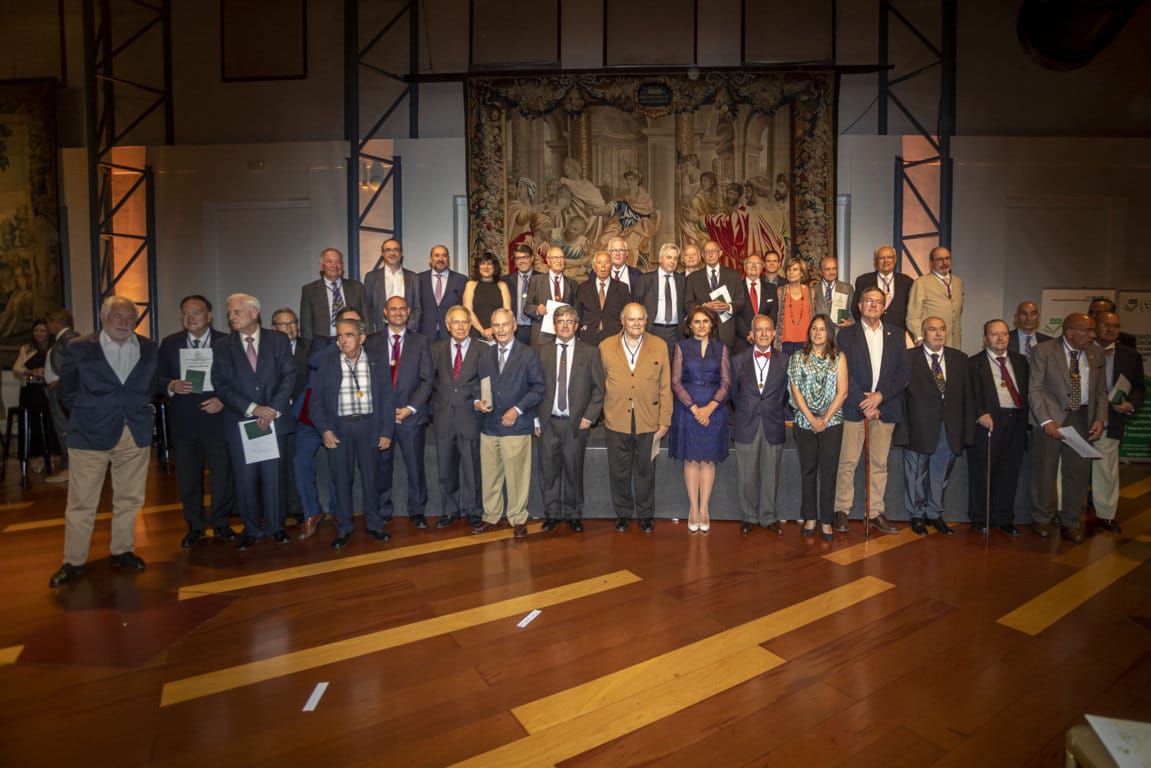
393	250
288	324
873	302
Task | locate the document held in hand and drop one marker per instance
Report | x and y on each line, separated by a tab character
259	444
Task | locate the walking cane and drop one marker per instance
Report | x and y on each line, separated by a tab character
987	508
866	478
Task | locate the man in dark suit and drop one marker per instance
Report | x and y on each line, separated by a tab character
572	403
938	421
552	285
761	300
662	292
254	375
1026	334
620	270
1098	307
873	407
107	382
517	387
388	280
518	283
598	302
197	422
1067	389
440	288
353	409
999	385
1121	362
410	359
759	395
699	286
321	300
456	421
60	326
286	322
896	288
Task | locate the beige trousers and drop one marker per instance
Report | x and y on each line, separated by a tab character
506	459
86	472
849	453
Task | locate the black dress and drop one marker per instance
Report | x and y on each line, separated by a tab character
486	299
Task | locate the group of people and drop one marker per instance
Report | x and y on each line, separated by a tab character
695	351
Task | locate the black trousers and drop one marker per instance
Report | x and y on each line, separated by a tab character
632	473
561	450
358	448
819	465
190	454
458	462
1006	446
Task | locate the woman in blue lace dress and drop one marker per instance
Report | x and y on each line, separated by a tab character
700	381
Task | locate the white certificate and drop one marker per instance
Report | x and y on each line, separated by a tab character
548	322
655	441
486	391
1076	442
722	294
196	367
839	311
258	445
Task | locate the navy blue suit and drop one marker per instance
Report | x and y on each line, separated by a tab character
894	371
99	405
258	486
520	385
415	378
754	409
433	321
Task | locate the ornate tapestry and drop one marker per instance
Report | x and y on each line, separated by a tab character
745	159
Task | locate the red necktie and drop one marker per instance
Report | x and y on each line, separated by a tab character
1006	378
395	357
459	363
559	296
617	274
754	300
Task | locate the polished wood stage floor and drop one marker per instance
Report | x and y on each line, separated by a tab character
671	649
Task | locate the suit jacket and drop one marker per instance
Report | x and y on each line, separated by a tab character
925	410
896	312
894	371
323	408
99	404
698	289
928	298
453	400
1016	344
632	285
585	380
647	389
518	297
433	320
271	384
753	408
376	298
184	414
1051	382
56	351
768	305
1127	363
821	304
590	314
520	385
540	291
985	383
416	376
315	313
651	288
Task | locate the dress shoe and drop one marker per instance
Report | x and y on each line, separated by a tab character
704	527
841	525
474	520
486	527
647	526
743	527
1108	525
280	537
550	524
918	527
66	573
1010	530
419	521
808	531
445	521
1073	535
341	541
883	525
979	528
828	535
576	525
191	538
519	531
224	533
129	561
308	529
1040	530
621	524
774	527
246	542
380	535
939	525
57	477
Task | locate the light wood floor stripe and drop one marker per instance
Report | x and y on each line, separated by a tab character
1041	612
15	506
309	658
876	545
10	654
33	525
340	564
619	718
1103	543
1137	489
669	667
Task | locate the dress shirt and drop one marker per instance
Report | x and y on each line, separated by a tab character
621	274
552	284
942	362
357	378
1023	337
522	281
506	353
661	306
567	384
122	357
391	340
1109	359
628	353
874	339
393	283
762	366
1005	401
205	340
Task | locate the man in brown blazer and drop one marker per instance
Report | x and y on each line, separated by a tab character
636	410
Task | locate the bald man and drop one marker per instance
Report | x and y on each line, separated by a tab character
552	285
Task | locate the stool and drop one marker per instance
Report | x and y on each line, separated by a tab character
23	418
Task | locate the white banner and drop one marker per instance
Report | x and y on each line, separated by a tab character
1057	303
1134	308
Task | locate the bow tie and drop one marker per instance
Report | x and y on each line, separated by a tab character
763	354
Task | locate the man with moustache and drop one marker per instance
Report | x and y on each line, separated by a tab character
896	287
598	302
388	280
713	275
1119	361
661	292
552	285
321	300
440	289
1026	334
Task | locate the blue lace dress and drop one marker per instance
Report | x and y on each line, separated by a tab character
697	380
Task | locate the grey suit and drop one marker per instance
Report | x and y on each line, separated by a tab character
541	290
823	306
698	289
376	298
315	308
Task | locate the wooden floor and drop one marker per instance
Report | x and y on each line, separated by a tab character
672	649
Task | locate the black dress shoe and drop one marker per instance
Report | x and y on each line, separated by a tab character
1040	530
1010	530
774	527
246	542
191	538
841	525
576	525
474	520
520	531
341	541
918	526
281	537
225	533
1108	525
746	527
419	521
941	526
1073	535
550	524
883	525
979	528
621	524
380	535
647	526
445	521
129	561
66	573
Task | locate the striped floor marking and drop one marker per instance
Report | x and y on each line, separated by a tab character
274	667
33	525
10	654
876	545
15	506
1103	543
1137	489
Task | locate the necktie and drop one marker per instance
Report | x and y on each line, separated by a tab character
601	294
395	356
439	288
828	293
616	275
1076	396
459	362
887	293
714	279
562	381
937	369
252	351
523	296
668	314
754	298
195	343
503	354
337	300
1005	377
1027	348
559	296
